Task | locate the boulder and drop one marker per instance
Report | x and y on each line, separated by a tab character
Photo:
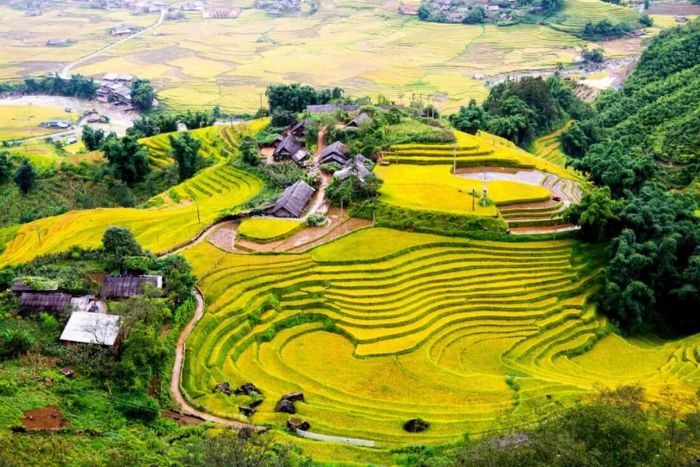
285	406
295	423
415	425
247	411
254	403
294	396
224	388
246	390
67	372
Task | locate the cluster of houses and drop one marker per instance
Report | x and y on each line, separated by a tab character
221	13
89	322
278	7
116	89
456	11
124	30
289	146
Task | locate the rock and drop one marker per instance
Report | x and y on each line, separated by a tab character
294	396
254	403
245	433
295	423
415	425
67	372
246	390
285	406
247	411
224	388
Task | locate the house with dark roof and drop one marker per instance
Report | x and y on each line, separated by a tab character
359	120
127	286
299	128
286	148
293	200
357	166
42	301
328	108
334	153
300	158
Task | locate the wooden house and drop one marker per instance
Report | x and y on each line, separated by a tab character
334	153
359	120
286	148
117	287
293	200
43	301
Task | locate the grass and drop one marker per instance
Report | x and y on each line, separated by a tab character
200	201
22	121
268	230
381	326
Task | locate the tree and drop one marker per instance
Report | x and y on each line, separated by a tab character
5	167
126	157
142	94
470	119
118	243
646	20
597	214
241	449
476	15
185	150
25	176
593	56
93	139
250	150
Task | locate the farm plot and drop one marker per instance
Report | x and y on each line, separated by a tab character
176	216
574	15
22	121
383	326
268	230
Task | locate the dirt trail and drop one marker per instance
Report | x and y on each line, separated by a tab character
65	71
177	374
319	198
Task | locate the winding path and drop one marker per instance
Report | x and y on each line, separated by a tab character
65	71
180	349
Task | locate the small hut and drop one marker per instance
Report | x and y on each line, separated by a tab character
359	120
300	157
38	301
117	287
286	148
91	328
299	128
334	153
293	200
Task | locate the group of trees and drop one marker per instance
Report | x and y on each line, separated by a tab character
93	139
142	94
185	150
24	176
76	86
604	29
127	159
167	122
287	100
522	110
640	142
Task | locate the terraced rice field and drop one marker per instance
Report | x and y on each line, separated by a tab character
574	15
213	148
548	147
174	218
268	230
382	326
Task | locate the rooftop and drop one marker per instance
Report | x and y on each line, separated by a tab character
91	328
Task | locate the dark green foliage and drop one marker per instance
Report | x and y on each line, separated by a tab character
283	174
178	277
250	150
598	214
229	448
282	118
25	176
352	189
16	338
605	30
7	277
593	55
126	157
476	15
142	94
93	139
76	86
167	122
470	119
185	150
5	167
119	243
138	406
143	356
646	20
295	97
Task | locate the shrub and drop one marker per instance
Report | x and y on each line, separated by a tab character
138	406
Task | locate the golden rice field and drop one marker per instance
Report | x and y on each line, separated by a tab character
268	229
22	121
420	175
173	218
382	326
548	147
363	47
574	14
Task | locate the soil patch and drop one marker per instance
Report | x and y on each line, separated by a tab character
182	419
223	237
45	418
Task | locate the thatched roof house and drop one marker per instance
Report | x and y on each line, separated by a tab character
38	301
128	286
286	148
359	120
299	128
334	153
293	200
356	166
91	328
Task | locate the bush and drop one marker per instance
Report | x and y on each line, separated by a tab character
138	406
15	340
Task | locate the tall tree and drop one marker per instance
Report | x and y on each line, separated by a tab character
142	94
25	176
185	150
126	157
5	167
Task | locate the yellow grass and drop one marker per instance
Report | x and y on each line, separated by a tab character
267	230
22	121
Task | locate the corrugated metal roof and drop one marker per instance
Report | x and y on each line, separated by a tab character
91	328
128	286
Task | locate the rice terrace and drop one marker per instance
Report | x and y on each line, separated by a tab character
349	232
